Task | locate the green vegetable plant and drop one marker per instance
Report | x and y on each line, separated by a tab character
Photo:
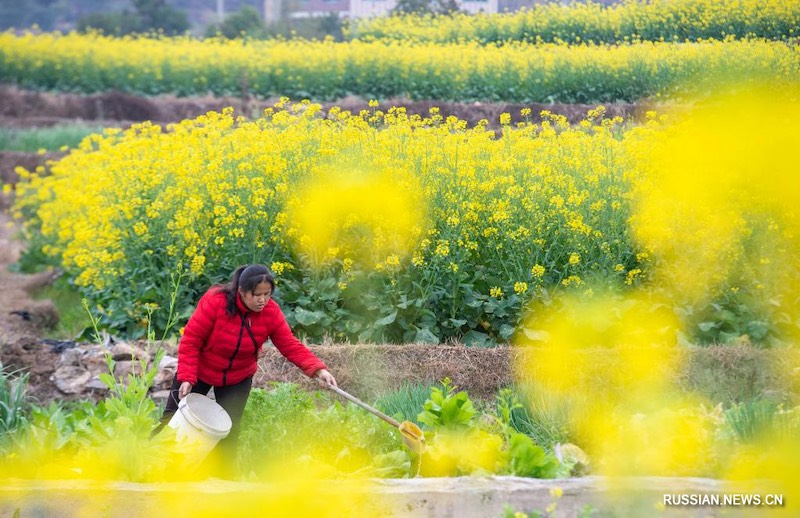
404	403
462	442
446	408
525	458
13	401
342	441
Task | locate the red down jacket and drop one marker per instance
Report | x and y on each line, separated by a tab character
217	348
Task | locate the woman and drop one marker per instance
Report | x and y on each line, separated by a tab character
222	341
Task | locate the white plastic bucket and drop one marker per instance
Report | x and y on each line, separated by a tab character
200	423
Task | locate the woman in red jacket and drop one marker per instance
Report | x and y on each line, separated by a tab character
222	341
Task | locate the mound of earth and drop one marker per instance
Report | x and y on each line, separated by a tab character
22	108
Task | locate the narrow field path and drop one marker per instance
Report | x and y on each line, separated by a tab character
23	320
15	297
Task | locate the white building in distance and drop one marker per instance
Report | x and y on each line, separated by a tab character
371	8
360	8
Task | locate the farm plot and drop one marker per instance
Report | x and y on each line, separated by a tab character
635	243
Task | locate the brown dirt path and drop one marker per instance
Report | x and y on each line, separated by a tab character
23	319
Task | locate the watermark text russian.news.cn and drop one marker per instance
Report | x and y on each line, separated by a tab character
723	500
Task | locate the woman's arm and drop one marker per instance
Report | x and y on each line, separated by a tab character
294	351
195	334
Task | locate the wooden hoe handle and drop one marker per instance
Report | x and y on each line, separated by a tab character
365	406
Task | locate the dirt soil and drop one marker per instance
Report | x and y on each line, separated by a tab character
23	320
22	108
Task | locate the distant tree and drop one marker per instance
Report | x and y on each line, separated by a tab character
426	7
245	21
248	21
149	15
331	25
113	24
156	14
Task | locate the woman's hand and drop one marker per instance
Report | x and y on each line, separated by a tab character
184	389
325	378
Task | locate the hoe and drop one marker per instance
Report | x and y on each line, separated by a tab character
413	437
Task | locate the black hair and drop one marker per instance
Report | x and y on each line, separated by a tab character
246	278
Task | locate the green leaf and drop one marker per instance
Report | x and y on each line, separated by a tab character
388	319
528	459
107	379
476	338
366	335
757	330
425	336
307	318
506	331
446	409
394	464
353	326
728	337
707	326
457	410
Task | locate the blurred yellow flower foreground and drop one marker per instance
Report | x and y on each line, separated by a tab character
716	208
